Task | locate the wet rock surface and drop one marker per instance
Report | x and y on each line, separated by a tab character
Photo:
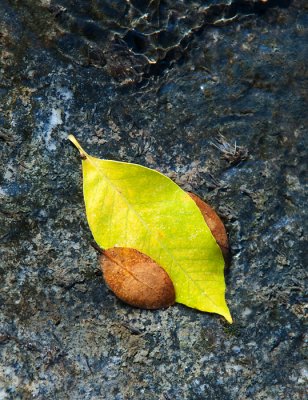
214	94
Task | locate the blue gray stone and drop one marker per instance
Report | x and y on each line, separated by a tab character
211	93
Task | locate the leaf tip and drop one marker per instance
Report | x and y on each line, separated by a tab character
227	316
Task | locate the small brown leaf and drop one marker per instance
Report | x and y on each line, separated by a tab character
136	279
214	223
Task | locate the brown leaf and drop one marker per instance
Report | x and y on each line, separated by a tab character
214	223
136	279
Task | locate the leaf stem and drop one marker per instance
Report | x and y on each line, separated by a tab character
97	248
83	154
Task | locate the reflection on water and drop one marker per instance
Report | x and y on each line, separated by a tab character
135	39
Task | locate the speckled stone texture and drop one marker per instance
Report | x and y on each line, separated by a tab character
212	93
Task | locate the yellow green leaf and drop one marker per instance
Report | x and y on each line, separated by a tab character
128	205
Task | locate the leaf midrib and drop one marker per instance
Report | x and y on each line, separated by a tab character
131	273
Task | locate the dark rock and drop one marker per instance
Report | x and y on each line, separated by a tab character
170	85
